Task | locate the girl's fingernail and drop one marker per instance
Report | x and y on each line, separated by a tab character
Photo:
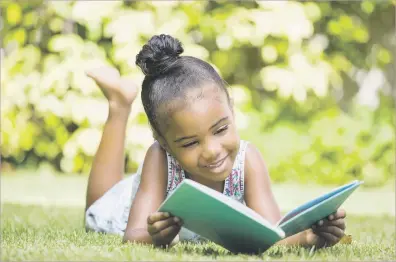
167	214
177	220
331	217
320	222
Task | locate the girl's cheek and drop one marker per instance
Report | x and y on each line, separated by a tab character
190	158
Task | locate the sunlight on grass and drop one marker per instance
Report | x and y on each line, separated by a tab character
39	233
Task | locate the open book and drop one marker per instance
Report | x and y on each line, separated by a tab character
238	228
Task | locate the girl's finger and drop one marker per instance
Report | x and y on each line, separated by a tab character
167	233
340	223
341	213
157	216
336	222
161	225
335	231
319	223
329	238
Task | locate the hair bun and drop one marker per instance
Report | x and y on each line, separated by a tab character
158	54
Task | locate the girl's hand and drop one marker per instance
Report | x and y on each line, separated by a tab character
327	232
120	92
163	228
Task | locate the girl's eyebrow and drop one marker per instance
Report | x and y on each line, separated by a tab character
218	122
188	137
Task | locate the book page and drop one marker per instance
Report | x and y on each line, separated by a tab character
306	218
314	202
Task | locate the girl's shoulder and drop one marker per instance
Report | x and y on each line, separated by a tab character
254	161
156	150
252	154
172	174
155	158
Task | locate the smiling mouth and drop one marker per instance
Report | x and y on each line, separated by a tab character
217	164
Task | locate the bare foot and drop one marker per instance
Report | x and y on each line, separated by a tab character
120	92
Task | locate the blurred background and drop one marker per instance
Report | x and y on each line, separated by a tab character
313	83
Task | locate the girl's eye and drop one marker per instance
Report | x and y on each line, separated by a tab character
221	130
189	144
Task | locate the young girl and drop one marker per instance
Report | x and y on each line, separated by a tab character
192	119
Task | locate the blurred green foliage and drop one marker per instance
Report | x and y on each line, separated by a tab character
293	69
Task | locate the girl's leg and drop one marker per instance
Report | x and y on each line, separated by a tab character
108	164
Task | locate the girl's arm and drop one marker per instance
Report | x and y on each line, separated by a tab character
150	195
259	196
108	164
258	192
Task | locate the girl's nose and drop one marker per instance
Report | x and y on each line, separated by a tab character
211	151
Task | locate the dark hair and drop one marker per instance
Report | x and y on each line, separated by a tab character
169	75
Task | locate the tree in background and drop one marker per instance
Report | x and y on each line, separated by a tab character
312	82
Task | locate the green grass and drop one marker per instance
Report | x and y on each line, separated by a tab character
37	233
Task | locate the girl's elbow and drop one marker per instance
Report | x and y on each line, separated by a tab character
128	239
125	239
137	236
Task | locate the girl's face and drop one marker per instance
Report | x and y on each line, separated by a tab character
202	135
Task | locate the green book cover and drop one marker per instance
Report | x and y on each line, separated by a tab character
238	228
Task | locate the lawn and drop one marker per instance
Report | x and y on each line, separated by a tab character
38	233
